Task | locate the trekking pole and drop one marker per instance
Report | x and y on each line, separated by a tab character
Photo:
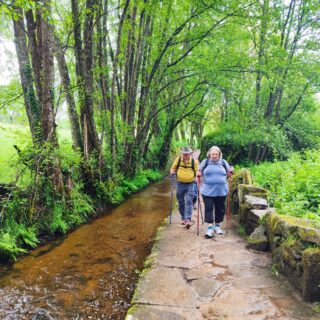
228	204
201	212
171	200
199	202
198	214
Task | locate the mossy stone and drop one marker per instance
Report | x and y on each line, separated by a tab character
242	176
258	240
310	235
311	272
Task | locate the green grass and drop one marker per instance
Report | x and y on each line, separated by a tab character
12	134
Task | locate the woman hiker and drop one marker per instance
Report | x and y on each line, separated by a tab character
214	189
185	168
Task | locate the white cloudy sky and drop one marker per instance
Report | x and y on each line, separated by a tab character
8	61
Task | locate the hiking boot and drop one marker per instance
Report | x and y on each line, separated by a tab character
188	224
209	233
218	230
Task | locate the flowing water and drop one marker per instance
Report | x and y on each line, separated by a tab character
92	272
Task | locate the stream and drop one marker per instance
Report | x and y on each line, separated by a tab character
91	273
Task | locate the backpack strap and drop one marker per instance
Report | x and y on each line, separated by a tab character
205	165
192	166
178	164
223	163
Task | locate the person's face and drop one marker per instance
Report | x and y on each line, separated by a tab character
214	155
186	157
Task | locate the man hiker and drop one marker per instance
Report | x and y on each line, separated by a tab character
185	168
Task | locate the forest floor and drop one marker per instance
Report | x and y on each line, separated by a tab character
218	279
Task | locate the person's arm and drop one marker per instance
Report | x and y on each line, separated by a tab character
173	169
228	168
200	168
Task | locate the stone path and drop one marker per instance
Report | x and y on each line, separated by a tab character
195	278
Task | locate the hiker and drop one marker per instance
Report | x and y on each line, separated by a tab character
185	168
214	189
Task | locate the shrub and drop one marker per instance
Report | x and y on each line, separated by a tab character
293	185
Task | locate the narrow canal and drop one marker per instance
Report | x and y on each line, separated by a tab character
92	272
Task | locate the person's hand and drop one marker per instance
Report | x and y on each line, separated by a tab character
172	172
230	172
199	173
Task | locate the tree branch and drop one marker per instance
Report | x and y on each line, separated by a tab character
199	41
11	100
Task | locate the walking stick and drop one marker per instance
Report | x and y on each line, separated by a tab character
171	200
198	214
201	212
228	204
199	202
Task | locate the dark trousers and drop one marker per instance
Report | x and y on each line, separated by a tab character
216	204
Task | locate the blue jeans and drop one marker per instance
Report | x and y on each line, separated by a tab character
184	196
195	192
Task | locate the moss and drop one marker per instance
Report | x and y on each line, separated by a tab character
130	312
252	240
241	230
309	235
264	219
316	307
310	251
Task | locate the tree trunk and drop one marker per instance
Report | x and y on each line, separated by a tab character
102	57
30	98
48	120
34	48
114	79
72	111
87	110
263	31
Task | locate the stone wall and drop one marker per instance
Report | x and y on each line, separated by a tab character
294	242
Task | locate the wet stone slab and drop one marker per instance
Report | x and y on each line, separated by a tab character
164	313
247	271
236	258
207	272
255	282
233	303
206	287
165	286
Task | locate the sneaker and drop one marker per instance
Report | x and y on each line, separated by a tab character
209	233
188	224
218	230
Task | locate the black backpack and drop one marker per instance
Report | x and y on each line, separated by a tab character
223	164
192	165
